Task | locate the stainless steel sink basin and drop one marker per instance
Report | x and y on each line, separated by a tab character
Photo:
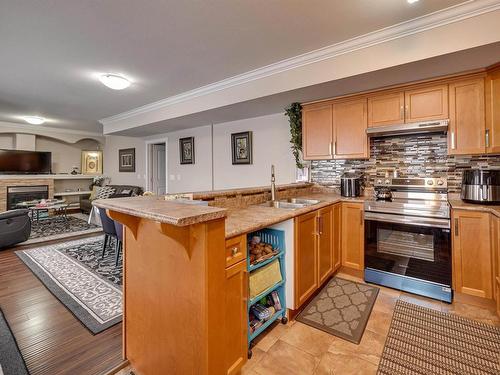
291	203
283	204
305	202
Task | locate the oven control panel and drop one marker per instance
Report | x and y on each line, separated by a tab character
439	182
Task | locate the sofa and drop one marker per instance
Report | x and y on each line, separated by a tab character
118	192
15	227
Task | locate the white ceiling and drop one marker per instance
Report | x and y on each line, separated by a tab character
51	50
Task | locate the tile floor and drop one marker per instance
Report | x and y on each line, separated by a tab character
299	349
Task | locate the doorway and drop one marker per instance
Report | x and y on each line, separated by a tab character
157	168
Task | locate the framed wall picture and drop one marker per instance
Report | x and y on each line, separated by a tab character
186	148
91	162
126	160
241	147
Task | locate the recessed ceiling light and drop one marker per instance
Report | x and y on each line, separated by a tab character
411	1
34	120
114	81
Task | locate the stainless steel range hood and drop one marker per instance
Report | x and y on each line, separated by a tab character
411	128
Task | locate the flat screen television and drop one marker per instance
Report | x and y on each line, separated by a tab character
25	162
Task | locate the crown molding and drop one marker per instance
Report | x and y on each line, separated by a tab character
65	135
469	9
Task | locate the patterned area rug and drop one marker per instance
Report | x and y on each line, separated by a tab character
90	287
55	228
424	341
341	308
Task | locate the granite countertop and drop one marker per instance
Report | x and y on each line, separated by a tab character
458	204
252	218
158	209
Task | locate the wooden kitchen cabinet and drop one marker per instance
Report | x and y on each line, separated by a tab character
426	103
325	243
467	130
306	257
350	121
317	132
317	250
386	109
353	235
495	247
472	260
235	319
492	103
337	239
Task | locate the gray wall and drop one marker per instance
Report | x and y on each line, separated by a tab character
110	160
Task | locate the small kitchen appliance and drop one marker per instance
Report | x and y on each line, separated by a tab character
481	186
407	238
351	184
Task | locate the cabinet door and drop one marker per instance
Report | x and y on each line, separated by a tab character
306	258
472	263
317	132
495	253
353	236
386	109
466	134
349	129
337	237
426	103
236	320
492	96
325	243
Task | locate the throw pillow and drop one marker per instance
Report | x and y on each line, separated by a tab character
126	191
104	192
93	192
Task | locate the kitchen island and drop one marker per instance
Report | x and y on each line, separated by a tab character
185	274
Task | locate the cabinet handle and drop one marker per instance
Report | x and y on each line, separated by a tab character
456	227
234	251
401	113
361	217
320	225
487	137
330	148
335	148
406	111
452	140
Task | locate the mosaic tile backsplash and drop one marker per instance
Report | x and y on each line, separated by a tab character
422	155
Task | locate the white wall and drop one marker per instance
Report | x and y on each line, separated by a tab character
7	141
110	159
65	156
190	177
271	145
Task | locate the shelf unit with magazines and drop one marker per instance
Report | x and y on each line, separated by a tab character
267	280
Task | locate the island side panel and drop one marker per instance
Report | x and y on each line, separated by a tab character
173	297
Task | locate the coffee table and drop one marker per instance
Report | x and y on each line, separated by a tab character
59	207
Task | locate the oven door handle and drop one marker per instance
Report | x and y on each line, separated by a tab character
408	220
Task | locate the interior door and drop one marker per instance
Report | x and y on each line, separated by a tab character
349	128
159	169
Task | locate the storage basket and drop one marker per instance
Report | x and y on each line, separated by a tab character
264	278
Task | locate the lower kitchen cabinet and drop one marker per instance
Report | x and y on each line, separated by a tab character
495	246
353	236
235	316
317	250
472	253
337	239
306	257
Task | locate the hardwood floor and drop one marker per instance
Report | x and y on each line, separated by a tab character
51	339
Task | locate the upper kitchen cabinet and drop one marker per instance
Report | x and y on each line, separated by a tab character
317	131
349	129
467	132
386	109
426	103
492	96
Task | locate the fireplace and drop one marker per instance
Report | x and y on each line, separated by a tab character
17	194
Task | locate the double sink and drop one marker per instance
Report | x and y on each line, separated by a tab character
291	203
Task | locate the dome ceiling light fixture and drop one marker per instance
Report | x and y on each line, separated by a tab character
34	120
114	81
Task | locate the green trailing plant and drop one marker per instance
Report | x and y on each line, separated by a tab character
294	113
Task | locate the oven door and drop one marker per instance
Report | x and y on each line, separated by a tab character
413	247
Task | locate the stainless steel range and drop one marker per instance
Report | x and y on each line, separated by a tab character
407	237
